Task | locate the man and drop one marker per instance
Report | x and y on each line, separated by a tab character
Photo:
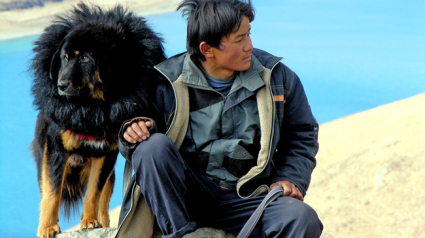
237	123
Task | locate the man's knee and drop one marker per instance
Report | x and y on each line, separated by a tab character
152	150
307	217
293	218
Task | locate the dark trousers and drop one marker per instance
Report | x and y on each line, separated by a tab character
184	200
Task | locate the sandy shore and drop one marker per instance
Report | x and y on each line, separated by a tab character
26	22
369	178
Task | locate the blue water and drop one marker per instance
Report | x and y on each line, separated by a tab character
350	56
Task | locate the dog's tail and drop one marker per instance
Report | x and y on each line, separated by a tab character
73	192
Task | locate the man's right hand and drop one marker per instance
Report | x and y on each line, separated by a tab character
137	131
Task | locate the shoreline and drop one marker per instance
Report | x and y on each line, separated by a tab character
30	22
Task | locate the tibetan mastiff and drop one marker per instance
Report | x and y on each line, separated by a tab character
93	69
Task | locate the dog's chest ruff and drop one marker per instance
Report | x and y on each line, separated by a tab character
75	142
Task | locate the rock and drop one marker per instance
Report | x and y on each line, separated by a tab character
111	232
208	232
90	233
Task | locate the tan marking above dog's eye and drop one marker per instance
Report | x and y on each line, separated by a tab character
77	52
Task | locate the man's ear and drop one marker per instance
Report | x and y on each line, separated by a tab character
206	50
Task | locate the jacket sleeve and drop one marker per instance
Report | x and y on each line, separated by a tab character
295	159
162	111
126	149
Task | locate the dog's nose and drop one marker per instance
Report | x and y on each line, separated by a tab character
62	86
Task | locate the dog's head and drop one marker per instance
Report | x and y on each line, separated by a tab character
76	74
75	69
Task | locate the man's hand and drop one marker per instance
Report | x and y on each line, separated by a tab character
289	189
137	132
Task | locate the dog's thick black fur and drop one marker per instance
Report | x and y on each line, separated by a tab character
93	69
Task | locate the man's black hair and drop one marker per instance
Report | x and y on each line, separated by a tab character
211	20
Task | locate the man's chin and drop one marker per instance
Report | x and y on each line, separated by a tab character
246	66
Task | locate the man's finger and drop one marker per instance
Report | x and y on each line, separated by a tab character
300	197
296	193
287	190
128	138
143	127
139	131
134	136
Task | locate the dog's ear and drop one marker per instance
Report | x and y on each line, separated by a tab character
55	64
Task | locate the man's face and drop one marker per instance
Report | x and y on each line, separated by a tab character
235	51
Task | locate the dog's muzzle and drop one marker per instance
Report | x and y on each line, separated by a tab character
62	86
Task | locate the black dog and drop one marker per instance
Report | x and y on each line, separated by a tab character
92	70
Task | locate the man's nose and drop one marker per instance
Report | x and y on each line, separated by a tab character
249	45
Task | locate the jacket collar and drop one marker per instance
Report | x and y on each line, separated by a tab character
172	67
266	59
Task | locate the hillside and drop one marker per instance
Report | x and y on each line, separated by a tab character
370	175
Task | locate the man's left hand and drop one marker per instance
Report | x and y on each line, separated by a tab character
289	189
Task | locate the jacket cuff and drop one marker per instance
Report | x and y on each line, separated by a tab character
126	148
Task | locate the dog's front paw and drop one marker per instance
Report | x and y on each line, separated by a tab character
48	231
90	224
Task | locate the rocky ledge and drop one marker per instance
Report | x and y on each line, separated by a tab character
111	232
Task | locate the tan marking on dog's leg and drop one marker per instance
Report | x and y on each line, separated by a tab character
84	177
105	197
91	199
50	202
70	140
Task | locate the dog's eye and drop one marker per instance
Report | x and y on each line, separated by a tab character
85	59
66	57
